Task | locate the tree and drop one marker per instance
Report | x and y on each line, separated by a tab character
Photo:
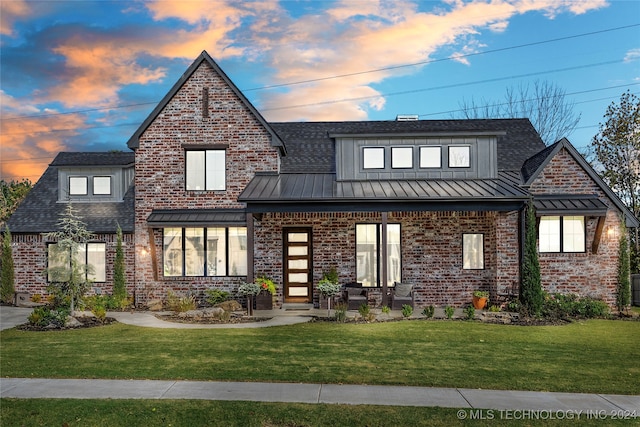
531	295
623	294
119	279
544	104
11	194
7	277
617	158
67	270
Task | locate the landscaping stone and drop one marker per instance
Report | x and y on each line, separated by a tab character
154	305
232	305
72	322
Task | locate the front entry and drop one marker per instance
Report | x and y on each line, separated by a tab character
297	265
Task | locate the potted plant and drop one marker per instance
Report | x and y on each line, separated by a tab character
480	299
264	299
249	290
328	287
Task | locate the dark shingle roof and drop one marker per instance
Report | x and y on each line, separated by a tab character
310	148
40	211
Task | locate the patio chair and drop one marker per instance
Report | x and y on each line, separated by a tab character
401	294
355	295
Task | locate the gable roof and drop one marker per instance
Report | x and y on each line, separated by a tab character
134	141
311	150
534	166
40	211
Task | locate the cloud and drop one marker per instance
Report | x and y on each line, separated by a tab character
11	11
632	55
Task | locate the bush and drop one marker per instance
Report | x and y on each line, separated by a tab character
429	311
407	310
44	316
364	310
448	311
340	312
180	303
470	312
385	309
216	296
563	306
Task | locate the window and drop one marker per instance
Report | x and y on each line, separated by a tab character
206	170
459	157
401	157
90	259
430	157
102	185
373	158
561	234
473	251
368	243
211	251
78	185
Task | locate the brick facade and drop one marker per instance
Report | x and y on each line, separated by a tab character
586	274
160	168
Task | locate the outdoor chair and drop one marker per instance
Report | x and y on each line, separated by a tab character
401	294
355	295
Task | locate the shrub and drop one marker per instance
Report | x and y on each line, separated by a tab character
180	303
385	309
448	311
7	274
513	306
494	308
623	291
340	312
44	316
119	278
407	310
36	298
429	311
531	294
563	306
470	312
100	312
364	310
216	296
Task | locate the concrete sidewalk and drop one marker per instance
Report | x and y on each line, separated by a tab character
26	388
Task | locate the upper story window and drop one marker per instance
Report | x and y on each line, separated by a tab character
206	169
102	185
562	234
459	156
431	157
78	185
402	157
373	157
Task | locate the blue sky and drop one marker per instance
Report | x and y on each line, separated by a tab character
82	75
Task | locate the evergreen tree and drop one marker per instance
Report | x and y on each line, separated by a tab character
623	295
7	288
67	270
531	295
119	280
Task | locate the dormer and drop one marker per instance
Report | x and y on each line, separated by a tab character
93	177
416	156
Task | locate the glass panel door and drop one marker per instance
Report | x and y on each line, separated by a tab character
297	265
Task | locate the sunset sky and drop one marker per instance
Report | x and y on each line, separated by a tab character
82	75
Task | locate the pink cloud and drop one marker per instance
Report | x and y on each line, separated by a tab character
10	11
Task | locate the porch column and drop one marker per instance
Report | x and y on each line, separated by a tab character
384	273
250	250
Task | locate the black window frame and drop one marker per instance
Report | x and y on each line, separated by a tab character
86	255
561	235
204	150
378	252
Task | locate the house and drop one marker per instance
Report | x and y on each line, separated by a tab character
223	196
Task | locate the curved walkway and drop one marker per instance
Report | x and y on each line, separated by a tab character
151	321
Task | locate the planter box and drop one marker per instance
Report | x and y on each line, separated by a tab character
324	302
264	301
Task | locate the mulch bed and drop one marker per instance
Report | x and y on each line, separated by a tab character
235	318
85	322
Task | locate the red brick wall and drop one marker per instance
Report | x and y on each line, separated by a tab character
30	262
585	274
431	250
160	167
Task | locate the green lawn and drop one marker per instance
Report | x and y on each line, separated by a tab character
596	356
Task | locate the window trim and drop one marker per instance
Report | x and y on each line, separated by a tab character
86	185
205	258
86	255
377	149
378	225
561	235
439	147
216	148
403	148
482	247
93	185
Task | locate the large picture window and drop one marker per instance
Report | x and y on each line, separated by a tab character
473	251
211	251
368	255
90	260
206	170
561	234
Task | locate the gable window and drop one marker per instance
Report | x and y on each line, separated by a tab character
368	255
90	259
459	156
102	185
401	157
78	185
430	157
473	251
562	234
373	157
206	170
211	251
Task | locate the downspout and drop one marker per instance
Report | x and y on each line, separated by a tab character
383	254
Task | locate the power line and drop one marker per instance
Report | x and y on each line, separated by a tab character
347	74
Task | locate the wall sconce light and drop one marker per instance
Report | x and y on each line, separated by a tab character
612	233
143	251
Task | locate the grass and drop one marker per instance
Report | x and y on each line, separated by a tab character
114	413
596	356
